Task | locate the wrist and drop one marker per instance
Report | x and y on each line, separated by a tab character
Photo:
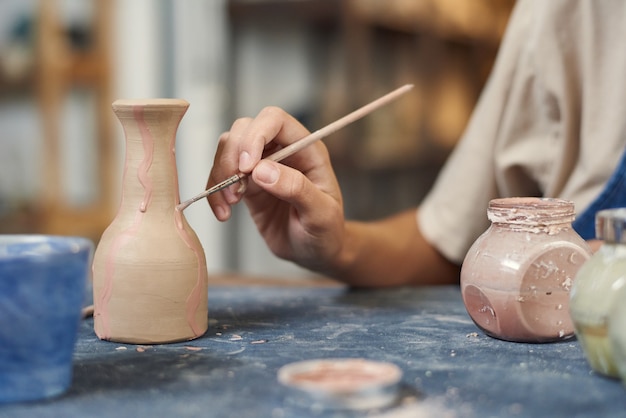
342	265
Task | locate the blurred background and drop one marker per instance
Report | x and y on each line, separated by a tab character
62	63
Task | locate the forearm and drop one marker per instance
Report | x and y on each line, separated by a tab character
391	252
595	244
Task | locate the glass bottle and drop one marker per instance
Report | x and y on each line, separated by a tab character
516	277
595	288
617	332
149	269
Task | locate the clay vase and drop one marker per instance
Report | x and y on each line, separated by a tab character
149	268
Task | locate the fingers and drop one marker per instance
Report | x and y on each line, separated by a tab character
267	174
272	125
240	149
223	167
309	197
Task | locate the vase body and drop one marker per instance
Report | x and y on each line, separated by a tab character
595	291
516	277
149	269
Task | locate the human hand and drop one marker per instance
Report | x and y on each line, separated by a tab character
297	204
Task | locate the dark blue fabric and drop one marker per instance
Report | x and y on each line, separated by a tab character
613	196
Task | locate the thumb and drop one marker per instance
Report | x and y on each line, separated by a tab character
266	174
285	183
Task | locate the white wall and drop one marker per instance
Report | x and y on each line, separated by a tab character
199	76
186	38
272	66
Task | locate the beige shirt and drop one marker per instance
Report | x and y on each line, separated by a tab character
551	120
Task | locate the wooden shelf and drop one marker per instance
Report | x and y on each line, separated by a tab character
468	21
308	10
446	48
61	68
58	68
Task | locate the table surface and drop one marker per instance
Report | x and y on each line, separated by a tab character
449	367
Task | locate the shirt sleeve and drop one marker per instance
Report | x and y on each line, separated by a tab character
550	121
453	214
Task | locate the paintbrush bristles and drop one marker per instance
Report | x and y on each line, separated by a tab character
307	140
235	178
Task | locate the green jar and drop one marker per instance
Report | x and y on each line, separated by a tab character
617	332
594	291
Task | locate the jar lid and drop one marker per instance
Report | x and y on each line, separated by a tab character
342	383
611	225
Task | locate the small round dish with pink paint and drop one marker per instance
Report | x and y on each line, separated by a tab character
342	383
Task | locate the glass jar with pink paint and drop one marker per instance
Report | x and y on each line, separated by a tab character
516	277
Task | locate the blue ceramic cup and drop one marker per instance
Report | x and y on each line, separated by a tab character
42	289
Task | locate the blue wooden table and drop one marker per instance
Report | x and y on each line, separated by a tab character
450	368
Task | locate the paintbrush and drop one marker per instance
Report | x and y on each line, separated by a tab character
306	141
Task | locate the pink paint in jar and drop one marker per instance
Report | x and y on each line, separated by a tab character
516	278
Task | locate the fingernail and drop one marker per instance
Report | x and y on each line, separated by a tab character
229	194
221	212
266	173
245	161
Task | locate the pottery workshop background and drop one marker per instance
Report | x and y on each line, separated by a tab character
62	63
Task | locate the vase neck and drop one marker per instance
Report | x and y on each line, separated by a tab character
150	175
